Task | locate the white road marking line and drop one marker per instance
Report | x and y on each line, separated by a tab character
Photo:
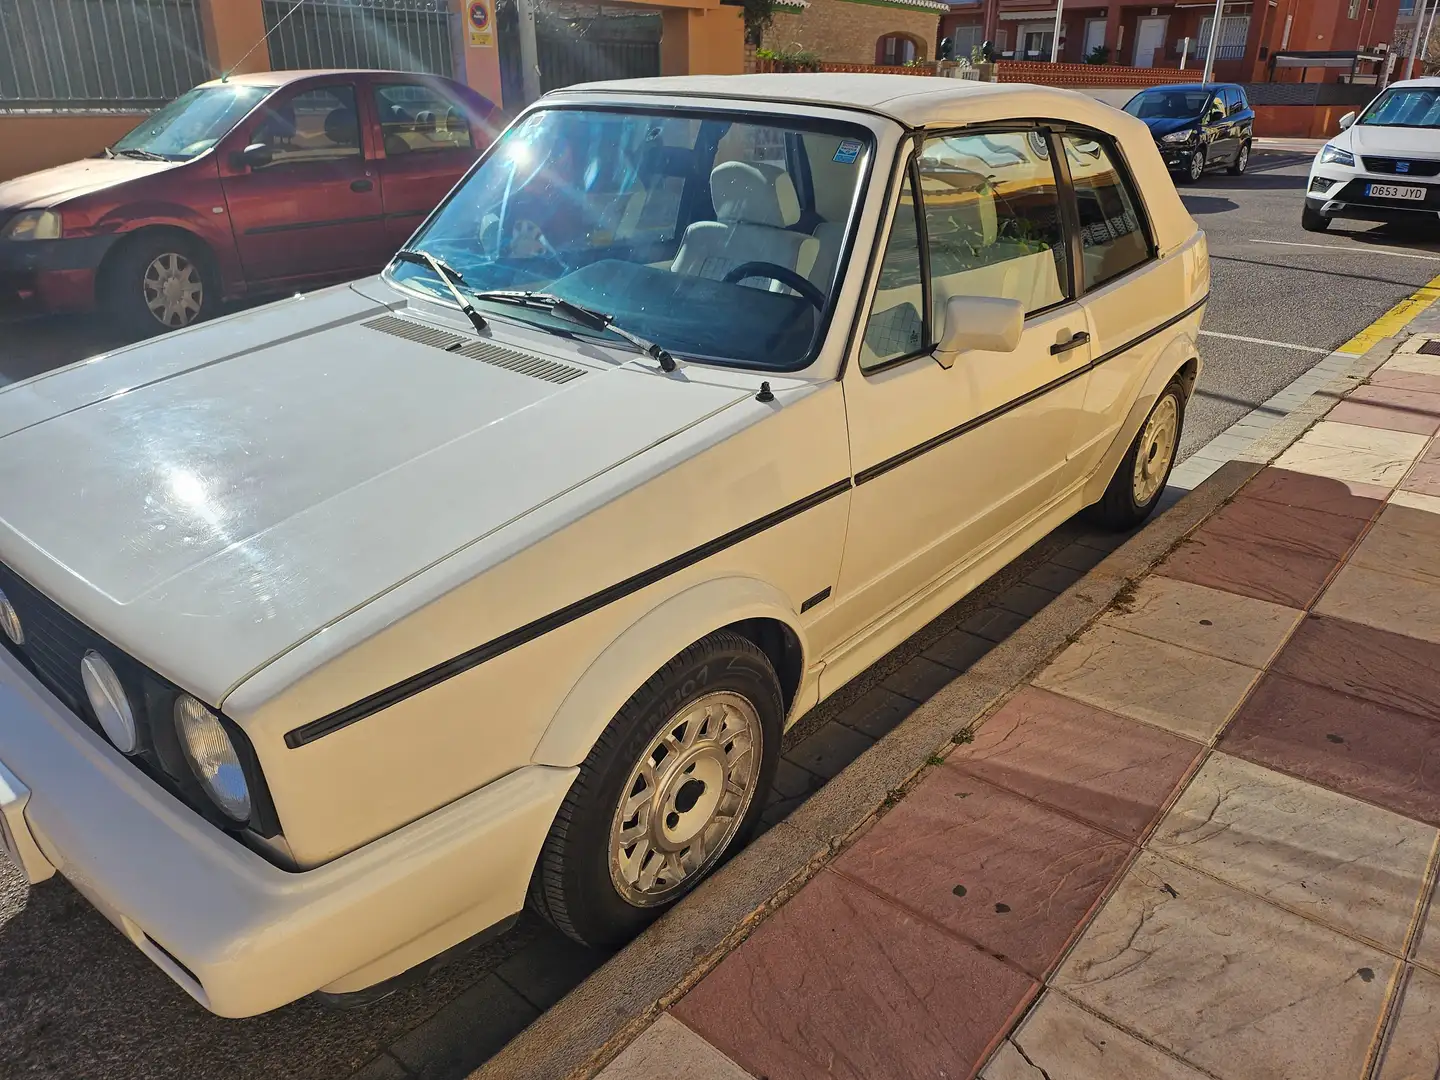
1264	341
1361	248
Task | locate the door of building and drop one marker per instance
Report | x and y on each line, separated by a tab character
1149	36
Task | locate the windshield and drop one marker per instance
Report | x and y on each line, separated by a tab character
192	123
1417	107
1168	104
715	235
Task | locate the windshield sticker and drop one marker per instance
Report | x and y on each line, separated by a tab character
849	152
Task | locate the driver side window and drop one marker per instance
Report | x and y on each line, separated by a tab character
316	125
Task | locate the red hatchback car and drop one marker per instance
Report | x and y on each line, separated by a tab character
241	187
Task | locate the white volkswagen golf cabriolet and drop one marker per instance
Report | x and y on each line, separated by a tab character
337	629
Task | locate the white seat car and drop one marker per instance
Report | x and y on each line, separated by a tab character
1382	166
336	629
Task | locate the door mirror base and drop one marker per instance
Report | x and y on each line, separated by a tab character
254	156
983	323
1347	121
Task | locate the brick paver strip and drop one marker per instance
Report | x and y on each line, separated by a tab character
996	869
1114	773
1393	670
841	983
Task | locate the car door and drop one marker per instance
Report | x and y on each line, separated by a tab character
950	462
426	143
307	206
1242	119
1221	144
1128	293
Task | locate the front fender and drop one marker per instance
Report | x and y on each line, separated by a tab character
1179	351
644	649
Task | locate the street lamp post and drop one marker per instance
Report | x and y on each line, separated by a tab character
1415	37
1055	37
1215	40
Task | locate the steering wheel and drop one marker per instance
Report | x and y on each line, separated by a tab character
776	272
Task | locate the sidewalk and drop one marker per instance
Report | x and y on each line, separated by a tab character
1201	842
1288	146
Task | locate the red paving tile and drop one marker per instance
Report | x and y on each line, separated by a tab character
840	983
1424	477
1102	768
1390	417
1407	380
1393	670
1290	488
1347	744
1267	550
1000	870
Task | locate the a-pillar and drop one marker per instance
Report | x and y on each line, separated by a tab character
702	41
1112	32
232	29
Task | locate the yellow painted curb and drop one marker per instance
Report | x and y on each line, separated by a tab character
1394	320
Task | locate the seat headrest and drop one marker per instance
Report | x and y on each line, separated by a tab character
785	191
742	193
342	126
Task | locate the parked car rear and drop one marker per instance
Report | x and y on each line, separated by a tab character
247	186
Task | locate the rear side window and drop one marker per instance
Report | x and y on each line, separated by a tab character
1234	100
992	214
415	118
1112	233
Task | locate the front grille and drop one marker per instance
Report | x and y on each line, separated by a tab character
1401	166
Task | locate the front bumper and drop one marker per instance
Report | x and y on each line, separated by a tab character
1176	158
238	933
54	275
1341	192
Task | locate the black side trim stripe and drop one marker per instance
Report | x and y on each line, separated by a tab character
260	230
448	669
905	456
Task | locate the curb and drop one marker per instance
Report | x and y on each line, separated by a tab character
597	1019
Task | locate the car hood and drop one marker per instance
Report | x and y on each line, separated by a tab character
49	187
1164	125
209	499
1393	141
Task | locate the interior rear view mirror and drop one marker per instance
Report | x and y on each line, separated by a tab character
983	323
1346	121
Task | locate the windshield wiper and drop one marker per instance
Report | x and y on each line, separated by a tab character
584	316
143	155
450	278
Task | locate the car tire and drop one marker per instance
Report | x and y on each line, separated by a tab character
1241	162
670	761
1194	167
1313	220
159	282
1140	479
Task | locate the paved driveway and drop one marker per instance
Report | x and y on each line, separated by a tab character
76	1000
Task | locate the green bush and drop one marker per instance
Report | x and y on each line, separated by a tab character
1100	54
790	59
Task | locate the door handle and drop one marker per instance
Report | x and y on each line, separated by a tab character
361	185
1079	338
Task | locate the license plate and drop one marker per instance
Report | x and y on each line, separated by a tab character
19	845
1395	191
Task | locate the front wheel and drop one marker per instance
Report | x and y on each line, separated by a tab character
674	784
1313	220
1143	472
1195	167
1241	162
159	282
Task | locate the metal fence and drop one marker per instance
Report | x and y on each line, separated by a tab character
89	54
401	35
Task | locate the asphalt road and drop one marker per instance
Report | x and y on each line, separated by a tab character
76	1000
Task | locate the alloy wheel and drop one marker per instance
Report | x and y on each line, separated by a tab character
174	289
1157	450
686	797
1197	164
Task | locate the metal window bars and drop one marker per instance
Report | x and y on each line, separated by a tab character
98	54
401	35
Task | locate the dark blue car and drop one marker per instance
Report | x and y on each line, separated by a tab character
1198	126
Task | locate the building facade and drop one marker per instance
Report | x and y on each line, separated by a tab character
892	32
1259	40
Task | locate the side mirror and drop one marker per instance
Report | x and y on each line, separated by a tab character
254	156
1346	121
979	323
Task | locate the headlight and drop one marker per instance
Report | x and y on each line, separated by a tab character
212	757
1334	155
109	700
1178	136
33	225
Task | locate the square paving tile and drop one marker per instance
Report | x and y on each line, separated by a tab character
829	749
1393	670
1416	501
1354	453
1423	478
958	650
1380	755
993	623
1401	549
1413	1051
668	1050
1406	380
1102	768
1325	856
1002	871
1210	621
878	712
1411	398
840	983
1396	444
1320	493
1402	605
1062	1041
1411	361
1162	684
1024	599
1226	981
1384	411
919	679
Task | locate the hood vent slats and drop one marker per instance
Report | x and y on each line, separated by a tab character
536	367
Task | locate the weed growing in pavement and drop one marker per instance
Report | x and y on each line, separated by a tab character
963	736
1124	601
935	759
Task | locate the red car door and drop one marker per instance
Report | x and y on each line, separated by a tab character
430	134
301	189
